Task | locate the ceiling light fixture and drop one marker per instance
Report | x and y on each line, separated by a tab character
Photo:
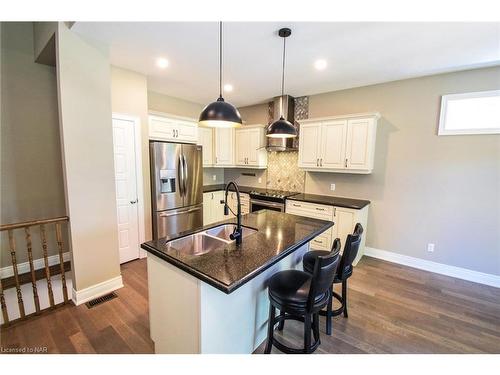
282	128
220	114
228	87
161	62
320	64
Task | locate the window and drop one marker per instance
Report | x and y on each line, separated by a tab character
470	113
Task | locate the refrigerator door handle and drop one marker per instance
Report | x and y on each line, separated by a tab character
181	176
185	173
178	212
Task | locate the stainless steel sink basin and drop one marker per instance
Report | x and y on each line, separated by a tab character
205	241
195	244
224	231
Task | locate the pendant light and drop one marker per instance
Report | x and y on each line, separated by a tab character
220	114
282	128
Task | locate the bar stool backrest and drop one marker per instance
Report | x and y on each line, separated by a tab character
351	248
324	272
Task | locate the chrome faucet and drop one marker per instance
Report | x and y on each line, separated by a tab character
236	235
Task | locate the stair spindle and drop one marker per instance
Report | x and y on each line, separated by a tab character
29	247
60	247
4	306
20	302
43	237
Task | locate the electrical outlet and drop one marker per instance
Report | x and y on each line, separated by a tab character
214	177
332	187
260	180
430	247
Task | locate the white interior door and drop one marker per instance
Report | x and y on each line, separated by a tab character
126	189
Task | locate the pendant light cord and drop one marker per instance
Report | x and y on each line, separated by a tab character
220	59
283	77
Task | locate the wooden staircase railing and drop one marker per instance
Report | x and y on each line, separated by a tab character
29	246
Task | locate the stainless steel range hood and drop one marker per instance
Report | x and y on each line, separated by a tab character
283	144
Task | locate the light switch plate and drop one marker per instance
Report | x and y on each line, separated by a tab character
430	247
332	187
214	177
260	180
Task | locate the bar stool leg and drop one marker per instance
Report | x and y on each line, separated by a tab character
316	327
329	314
281	324
270	329
344	297
307	333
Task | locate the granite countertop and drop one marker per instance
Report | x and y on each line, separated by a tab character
331	201
231	266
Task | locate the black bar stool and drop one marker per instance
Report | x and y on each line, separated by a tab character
351	248
299	296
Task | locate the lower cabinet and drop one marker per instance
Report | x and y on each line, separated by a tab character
213	210
344	220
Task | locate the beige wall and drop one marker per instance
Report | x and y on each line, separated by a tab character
129	96
174	106
424	188
254	114
31	170
83	78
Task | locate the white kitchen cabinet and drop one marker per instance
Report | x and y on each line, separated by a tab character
250	145
213	210
343	144
224	147
206	140
344	220
164	127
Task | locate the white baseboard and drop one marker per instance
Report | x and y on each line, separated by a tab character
440	268
97	290
37	264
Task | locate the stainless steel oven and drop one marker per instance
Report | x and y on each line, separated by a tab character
257	205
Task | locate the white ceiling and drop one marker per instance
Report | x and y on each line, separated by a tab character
358	54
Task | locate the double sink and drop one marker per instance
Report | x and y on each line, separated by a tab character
207	240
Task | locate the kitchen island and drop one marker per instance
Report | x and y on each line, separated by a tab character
216	301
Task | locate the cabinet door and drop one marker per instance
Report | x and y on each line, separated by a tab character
161	128
344	223
241	146
186	131
309	145
205	139
207	208
224	146
333	143
358	143
253	142
218	207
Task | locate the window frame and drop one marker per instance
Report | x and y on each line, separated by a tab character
444	106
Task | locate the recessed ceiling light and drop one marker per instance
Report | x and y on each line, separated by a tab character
228	87
320	64
161	62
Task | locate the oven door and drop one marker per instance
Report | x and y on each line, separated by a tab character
257	205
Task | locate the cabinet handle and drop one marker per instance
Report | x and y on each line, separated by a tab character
318	241
212	195
320	209
346	162
317	162
296	205
334	211
216	160
321	162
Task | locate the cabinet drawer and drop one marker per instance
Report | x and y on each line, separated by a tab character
315	211
320	243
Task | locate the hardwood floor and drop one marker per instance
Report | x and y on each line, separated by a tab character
392	309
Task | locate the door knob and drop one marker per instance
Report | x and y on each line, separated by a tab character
134	202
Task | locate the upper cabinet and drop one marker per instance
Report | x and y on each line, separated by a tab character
250	146
343	144
164	127
206	140
224	147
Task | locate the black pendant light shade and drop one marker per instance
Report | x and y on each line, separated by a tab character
220	114
282	128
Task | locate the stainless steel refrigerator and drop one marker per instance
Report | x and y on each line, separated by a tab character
176	187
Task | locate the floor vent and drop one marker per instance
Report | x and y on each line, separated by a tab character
99	300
